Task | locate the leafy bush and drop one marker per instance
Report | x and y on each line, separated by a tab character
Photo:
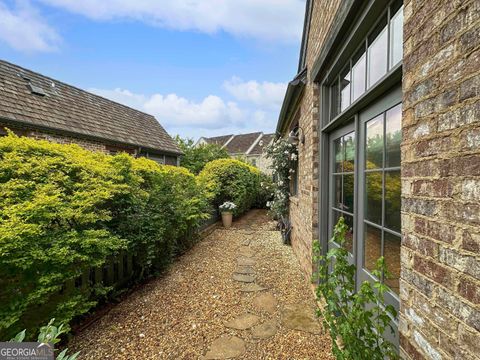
49	334
265	192
231	180
356	320
65	210
195	158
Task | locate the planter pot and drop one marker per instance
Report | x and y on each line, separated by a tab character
227	219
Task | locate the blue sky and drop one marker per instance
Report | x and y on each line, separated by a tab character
202	67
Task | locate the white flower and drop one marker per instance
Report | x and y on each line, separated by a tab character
227	206
294	156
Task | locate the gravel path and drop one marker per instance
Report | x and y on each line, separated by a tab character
198	311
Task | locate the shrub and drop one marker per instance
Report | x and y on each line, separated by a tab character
265	192
195	158
231	180
65	210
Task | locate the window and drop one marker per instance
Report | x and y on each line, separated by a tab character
343	183
383	193
380	52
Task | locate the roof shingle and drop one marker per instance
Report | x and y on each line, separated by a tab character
67	108
241	143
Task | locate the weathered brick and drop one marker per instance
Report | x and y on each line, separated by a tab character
458	308
436	230
421	245
424	168
459	166
471	241
421	283
432	146
470	139
471	190
469	40
469	339
469	289
434	271
420	206
466	213
468	114
467	264
433	188
470	88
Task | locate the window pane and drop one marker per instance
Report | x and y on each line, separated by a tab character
338	146
374	145
373	196
372	247
391	253
349	234
396	37
348	193
393	188
349	145
345	89
393	136
334	100
358	76
337	191
377	53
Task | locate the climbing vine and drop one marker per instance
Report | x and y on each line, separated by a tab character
284	156
356	320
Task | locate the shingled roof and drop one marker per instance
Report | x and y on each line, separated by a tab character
241	143
218	140
260	145
68	109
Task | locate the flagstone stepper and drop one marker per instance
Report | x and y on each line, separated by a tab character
243	278
243	322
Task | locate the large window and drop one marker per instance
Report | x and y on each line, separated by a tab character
380	52
382	193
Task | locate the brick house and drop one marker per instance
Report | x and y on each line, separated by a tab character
387	100
246	146
35	105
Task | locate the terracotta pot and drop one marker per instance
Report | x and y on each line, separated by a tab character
227	219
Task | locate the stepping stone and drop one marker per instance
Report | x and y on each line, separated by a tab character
243	278
246	242
245	261
265	330
300	317
265	302
247	270
226	347
252	288
243	322
246	251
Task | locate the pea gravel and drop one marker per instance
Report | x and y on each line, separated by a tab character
181	314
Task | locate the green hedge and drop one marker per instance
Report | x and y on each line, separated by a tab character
65	210
231	180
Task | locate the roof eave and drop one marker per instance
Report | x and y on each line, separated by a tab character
292	95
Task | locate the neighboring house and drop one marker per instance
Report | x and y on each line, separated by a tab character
38	106
387	100
245	146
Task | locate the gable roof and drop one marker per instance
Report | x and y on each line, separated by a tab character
218	140
260	145
68	109
240	144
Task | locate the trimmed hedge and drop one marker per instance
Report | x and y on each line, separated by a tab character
65	210
231	180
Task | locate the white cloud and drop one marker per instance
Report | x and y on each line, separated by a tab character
279	20
209	117
265	94
23	29
174	111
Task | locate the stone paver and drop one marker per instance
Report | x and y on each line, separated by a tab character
246	251
226	347
243	278
247	270
265	330
300	317
243	322
265	302
245	261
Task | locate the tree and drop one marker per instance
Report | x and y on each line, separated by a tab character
196	157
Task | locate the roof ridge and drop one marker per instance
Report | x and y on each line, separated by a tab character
74	87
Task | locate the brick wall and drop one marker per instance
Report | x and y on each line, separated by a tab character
304	206
440	280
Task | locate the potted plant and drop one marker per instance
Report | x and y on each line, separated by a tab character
227	210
